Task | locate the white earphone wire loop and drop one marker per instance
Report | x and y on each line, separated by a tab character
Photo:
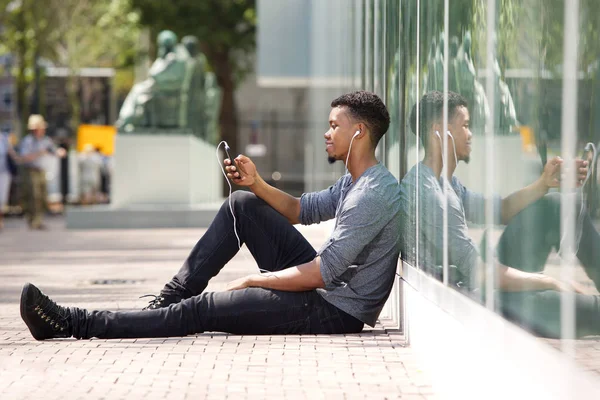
580	216
239	242
230	191
442	145
454	145
349	150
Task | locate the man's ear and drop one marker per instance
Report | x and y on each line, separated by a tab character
362	128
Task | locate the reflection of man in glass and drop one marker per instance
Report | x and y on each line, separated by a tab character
532	215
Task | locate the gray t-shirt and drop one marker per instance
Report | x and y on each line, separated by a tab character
463	205
31	144
359	260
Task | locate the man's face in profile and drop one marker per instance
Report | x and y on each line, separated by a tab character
337	138
459	127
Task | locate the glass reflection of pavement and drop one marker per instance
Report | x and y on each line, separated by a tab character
587	350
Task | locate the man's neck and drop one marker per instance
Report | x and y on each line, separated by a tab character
434	161
357	166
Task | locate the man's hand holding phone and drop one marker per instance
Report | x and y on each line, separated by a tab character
241	171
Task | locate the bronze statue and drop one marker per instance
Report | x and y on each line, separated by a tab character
179	96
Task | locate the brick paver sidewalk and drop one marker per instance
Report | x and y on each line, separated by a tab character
110	269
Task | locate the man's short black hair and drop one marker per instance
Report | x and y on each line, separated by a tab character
368	108
431	109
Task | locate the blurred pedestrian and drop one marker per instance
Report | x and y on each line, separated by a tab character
33	147
8	160
90	163
105	172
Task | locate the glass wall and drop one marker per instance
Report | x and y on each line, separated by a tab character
495	108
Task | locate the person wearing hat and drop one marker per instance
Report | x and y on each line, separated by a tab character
33	147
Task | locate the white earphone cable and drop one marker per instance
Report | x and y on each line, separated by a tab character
349	150
453	145
230	191
230	204
580	216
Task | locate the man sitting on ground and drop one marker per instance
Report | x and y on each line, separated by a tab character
335	290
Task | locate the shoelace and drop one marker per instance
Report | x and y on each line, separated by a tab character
51	311
152	303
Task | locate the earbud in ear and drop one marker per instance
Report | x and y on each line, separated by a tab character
356	134
438	134
449	134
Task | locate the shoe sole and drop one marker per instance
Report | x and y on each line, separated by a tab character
24	312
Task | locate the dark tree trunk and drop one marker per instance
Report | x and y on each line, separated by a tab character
228	118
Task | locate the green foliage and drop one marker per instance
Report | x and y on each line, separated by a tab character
95	32
531	32
74	33
226	29
70	33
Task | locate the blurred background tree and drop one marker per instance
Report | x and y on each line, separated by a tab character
27	34
226	30
66	33
94	33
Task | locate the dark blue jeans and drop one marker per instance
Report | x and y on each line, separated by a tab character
275	245
525	245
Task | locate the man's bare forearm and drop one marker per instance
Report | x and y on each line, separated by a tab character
514	280
285	204
517	201
294	279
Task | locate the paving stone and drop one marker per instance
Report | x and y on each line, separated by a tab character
370	365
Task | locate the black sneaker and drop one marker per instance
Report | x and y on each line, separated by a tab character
160	301
44	318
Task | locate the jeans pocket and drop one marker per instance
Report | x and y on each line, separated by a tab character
326	318
294	318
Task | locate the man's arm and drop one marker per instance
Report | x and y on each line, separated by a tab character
285	204
294	279
27	152
509	279
244	173
550	178
32	156
517	201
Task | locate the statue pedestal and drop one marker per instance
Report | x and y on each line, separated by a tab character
159	181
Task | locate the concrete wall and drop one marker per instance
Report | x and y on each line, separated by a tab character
472	353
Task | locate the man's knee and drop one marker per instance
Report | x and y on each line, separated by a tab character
553	199
241	200
552	203
549	206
